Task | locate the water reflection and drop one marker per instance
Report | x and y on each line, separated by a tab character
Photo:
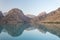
17	29
53	28
1	28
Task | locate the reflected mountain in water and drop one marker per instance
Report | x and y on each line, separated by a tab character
1	16
15	29
53	28
15	22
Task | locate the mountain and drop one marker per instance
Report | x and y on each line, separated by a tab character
14	22
52	22
38	18
42	15
53	16
15	15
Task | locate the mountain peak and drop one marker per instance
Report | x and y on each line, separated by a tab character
16	11
15	16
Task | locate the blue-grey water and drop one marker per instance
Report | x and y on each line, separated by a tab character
30	35
27	32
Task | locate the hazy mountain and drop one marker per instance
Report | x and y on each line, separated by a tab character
38	18
5	13
42	15
30	16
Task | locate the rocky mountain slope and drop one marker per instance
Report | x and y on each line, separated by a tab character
15	16
53	16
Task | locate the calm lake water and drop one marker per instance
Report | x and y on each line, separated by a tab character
30	35
22	32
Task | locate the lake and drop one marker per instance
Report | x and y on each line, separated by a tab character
31	33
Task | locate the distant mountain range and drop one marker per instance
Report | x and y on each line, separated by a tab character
16	15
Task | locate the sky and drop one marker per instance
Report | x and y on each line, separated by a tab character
30	6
